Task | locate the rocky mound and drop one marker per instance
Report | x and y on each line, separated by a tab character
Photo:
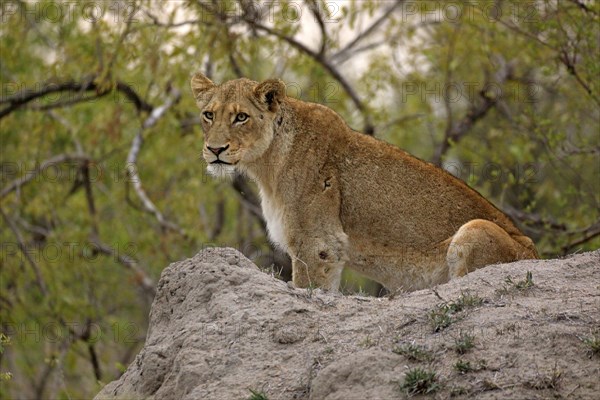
222	329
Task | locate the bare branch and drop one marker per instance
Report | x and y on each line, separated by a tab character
569	63
65	103
254	24
342	54
314	9
142	279
219	219
89	196
401	120
59	159
25	96
457	130
94	361
584	7
535	219
561	53
117	46
249	199
477	110
589	233
329	67
57	359
447	81
23	247
156	21
367	47
134	97
550	224
132	170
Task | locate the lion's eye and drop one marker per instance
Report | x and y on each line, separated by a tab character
208	115
241	117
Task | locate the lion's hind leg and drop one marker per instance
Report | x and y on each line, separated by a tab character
479	243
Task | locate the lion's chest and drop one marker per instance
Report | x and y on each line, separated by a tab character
274	218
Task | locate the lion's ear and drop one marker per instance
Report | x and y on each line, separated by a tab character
201	87
270	93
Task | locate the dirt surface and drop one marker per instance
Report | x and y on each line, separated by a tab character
220	328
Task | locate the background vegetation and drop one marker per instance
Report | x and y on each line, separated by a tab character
102	181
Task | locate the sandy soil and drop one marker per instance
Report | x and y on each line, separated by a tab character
220	328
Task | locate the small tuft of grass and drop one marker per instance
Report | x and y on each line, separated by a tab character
257	395
275	271
550	380
440	318
310	289
367	342
508	328
592	344
458	391
464	301
414	352
465	367
464	342
488	384
523	284
420	381
468	300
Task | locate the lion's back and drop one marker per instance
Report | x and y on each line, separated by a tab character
385	192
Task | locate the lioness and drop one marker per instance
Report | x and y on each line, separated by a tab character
334	198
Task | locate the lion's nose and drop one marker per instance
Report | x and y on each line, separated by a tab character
217	150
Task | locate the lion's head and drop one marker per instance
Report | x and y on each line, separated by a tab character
238	120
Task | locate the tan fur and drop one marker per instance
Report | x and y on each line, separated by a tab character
333	197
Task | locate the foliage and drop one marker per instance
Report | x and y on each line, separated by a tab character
418	380
257	395
440	317
592	343
464	367
506	97
464	343
523	284
414	352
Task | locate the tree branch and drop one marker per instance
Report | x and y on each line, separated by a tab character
569	63
447	80
25	96
142	279
61	158
368	126
589	233
342	54
249	199
94	361
23	247
314	9
134	97
561	53
253	22
476	111
132	169
87	183
534	219
584	7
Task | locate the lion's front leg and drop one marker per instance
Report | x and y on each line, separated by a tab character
319	261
